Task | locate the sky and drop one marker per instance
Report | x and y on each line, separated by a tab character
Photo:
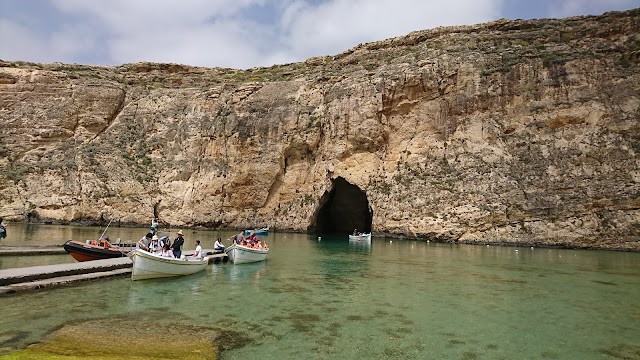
241	34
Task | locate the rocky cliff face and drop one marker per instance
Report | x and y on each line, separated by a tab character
513	131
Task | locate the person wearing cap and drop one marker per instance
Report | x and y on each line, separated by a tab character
177	245
154	246
145	241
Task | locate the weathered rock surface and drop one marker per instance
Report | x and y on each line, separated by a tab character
513	131
194	342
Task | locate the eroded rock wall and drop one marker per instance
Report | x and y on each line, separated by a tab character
512	131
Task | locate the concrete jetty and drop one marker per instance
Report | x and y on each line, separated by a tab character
31	250
39	277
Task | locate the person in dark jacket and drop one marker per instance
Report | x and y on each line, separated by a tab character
177	245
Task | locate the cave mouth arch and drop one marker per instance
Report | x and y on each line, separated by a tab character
344	208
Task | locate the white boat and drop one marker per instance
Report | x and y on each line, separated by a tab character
239	254
148	266
263	231
361	237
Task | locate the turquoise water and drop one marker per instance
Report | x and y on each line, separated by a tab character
391	299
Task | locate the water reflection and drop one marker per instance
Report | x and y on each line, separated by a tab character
160	294
243	272
360	246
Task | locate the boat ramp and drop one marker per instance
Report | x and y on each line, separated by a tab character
38	277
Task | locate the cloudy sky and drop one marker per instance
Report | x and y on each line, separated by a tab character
241	33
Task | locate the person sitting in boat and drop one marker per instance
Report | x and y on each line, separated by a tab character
198	253
239	238
265	246
218	247
154	245
355	232
253	238
166	251
164	240
145	241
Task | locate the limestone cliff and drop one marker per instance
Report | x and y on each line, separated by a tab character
512	131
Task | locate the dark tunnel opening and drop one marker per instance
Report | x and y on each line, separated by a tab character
344	208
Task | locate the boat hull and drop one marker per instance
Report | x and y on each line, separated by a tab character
363	237
239	254
87	252
150	266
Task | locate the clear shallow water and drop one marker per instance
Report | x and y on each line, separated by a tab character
10	262
391	299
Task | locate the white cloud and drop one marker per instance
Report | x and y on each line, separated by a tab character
196	32
589	7
225	44
230	33
215	33
341	24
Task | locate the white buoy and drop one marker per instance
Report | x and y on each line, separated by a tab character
319	238
516	250
390	241
532	248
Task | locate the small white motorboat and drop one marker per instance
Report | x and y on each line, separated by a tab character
149	266
361	237
239	254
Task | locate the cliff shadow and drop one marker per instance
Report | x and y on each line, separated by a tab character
343	208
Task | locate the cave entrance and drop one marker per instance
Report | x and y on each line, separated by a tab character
344	208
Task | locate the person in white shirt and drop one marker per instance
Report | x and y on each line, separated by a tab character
166	252
154	246
218	247
145	242
198	253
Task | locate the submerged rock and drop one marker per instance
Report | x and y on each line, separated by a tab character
129	339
